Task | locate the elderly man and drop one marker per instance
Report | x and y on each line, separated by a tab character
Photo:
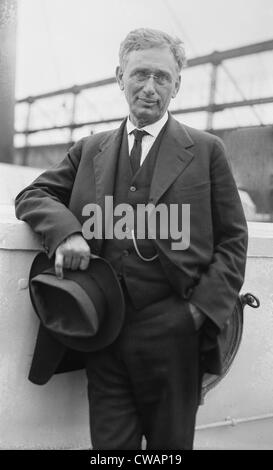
178	298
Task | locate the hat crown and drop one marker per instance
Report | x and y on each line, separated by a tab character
84	310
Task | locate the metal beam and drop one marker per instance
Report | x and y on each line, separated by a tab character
75	89
217	57
213	108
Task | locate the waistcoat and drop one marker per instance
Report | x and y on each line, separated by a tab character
146	282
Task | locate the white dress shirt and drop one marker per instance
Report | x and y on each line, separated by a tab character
147	140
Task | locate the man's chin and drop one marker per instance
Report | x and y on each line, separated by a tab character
148	116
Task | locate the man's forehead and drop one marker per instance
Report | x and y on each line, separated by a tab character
153	57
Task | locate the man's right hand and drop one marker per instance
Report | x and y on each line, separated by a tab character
73	253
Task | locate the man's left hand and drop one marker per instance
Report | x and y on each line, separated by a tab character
198	316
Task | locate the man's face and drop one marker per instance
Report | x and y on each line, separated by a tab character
150	78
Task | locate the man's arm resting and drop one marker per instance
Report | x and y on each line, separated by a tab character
44	203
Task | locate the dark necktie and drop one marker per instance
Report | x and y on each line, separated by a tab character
135	154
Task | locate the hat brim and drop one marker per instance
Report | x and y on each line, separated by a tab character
102	272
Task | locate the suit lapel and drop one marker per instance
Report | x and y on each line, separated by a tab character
172	160
105	165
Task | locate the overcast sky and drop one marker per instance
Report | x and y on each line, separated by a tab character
66	42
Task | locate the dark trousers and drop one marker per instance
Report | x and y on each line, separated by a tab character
147	383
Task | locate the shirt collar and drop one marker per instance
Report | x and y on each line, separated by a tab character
152	129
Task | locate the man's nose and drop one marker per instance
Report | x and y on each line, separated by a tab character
149	86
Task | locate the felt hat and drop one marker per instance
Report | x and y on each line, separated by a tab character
84	310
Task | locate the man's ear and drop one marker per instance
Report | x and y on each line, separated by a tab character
177	87
119	77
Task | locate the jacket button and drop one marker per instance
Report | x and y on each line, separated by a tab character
125	253
133	189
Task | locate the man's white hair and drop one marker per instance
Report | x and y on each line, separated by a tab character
146	38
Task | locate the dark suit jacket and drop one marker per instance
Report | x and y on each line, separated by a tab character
191	168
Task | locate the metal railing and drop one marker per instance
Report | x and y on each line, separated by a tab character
215	59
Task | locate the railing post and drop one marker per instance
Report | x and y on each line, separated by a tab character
8	16
76	92
212	95
26	146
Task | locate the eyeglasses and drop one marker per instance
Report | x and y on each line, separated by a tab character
160	78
